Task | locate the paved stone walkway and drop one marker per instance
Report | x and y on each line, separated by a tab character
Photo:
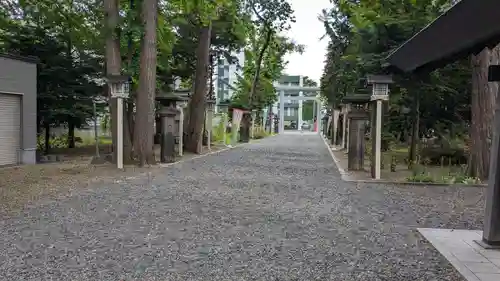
272	210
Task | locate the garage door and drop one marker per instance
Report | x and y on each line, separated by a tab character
10	128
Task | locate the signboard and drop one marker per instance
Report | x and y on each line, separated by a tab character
237	115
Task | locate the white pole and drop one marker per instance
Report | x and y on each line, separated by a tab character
96	133
344	128
318	116
181	130
224	122
119	130
281	123
301	104
378	139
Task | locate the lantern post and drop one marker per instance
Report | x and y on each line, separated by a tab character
380	93
119	86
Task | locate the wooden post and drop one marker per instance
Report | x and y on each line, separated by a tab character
356	154
208	126
167	115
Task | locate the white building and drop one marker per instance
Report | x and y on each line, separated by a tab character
226	77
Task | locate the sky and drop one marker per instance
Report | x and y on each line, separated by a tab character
307	31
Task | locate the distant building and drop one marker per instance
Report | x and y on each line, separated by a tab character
226	77
293	108
18	107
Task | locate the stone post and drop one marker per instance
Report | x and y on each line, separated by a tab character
180	145
356	146
167	115
209	125
335	121
252	128
345	125
224	123
276	124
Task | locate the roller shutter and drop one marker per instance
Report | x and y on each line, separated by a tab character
10	129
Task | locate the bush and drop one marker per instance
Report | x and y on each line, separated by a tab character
54	142
420	178
260	133
450	155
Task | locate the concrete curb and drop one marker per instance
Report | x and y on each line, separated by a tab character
345	176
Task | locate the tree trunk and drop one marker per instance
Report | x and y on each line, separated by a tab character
329	131
113	59
144	122
128	112
197	104
483	99
71	133
47	137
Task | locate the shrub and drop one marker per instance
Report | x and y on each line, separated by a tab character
260	133
420	178
451	155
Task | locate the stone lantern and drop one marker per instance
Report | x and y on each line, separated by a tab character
380	93
171	126
357	118
326	124
209	114
252	128
223	107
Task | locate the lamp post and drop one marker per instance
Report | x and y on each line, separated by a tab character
119	86
380	93
96	133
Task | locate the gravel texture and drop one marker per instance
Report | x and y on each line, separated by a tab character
272	210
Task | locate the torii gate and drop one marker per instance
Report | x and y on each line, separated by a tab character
284	88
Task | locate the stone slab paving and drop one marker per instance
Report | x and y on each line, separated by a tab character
459	247
271	210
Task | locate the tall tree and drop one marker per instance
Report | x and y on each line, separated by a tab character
144	120
272	17
483	99
197	103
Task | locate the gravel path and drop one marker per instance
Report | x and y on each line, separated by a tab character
273	210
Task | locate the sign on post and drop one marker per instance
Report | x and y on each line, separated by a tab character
237	116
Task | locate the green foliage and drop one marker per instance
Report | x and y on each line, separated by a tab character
423	177
362	34
271	70
260	133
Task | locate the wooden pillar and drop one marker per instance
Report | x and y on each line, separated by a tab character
335	117
356	146
209	125
167	115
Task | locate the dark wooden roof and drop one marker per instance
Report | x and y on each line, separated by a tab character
356	99
466	28
285	79
30	59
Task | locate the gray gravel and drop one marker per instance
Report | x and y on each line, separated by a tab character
273	210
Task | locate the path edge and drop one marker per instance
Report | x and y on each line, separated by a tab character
344	175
